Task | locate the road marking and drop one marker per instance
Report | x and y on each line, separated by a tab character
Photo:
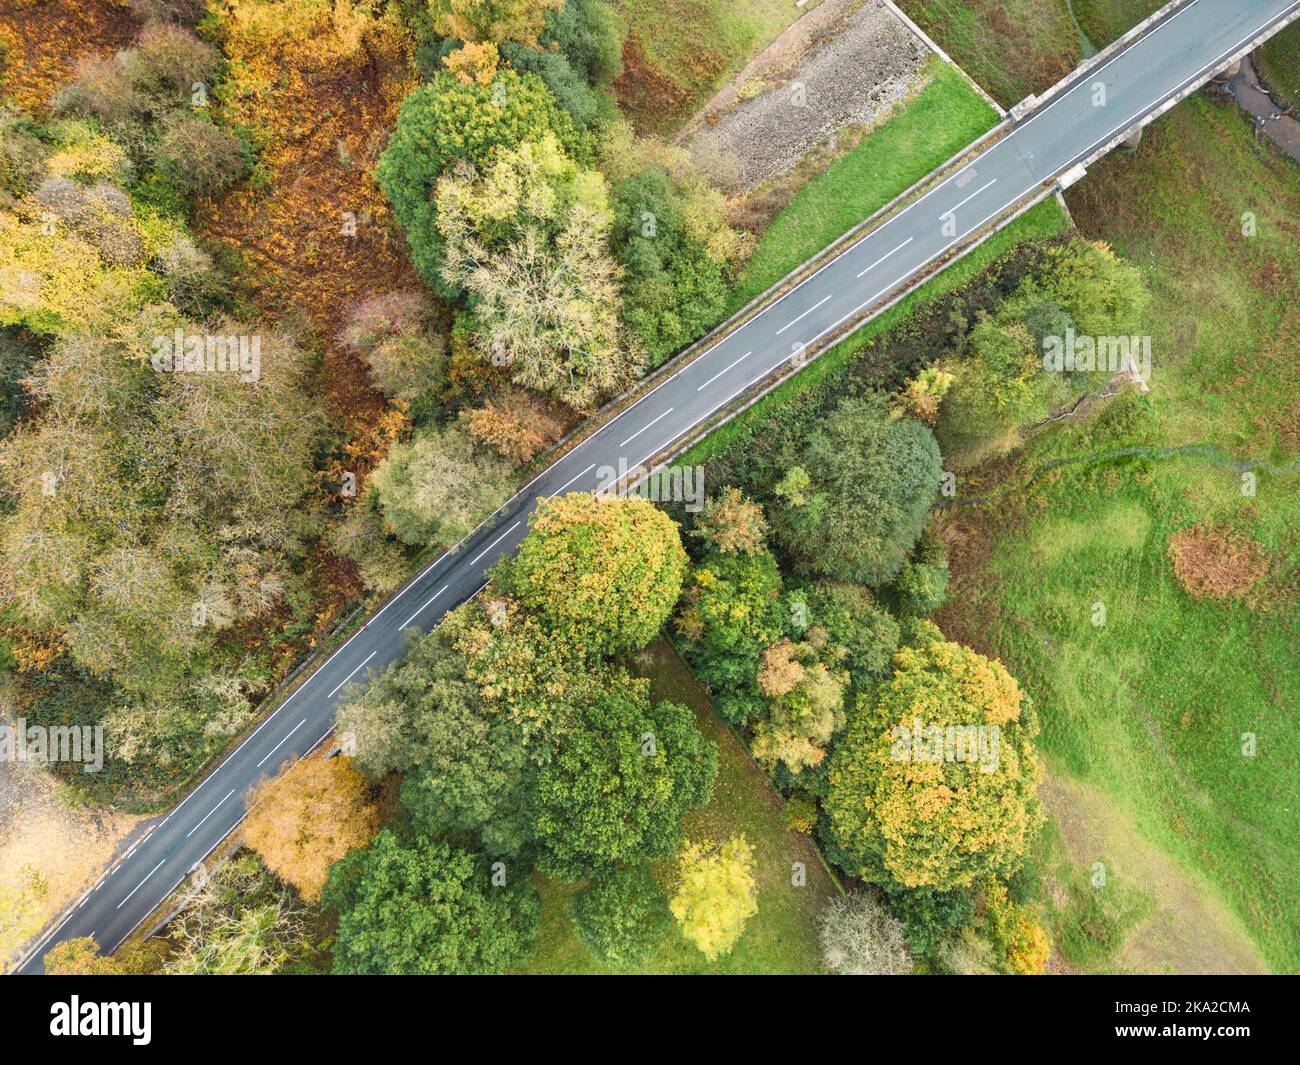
421	610
1146	109
496	541
572	479
645	427
953	210
887	255
344	681
211	812
141	884
804	315
721	372
300	724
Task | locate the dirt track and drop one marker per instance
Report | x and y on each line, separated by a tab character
845	63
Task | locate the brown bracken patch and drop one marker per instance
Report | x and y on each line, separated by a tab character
1215	564
644	92
46	39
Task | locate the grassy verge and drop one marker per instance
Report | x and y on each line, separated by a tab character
679	52
1278	63
1043	221
782	936
1107	20
929	129
1156	707
943	117
1011	47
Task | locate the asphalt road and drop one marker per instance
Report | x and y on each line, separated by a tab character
1183	51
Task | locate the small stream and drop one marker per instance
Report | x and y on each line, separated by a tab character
1086	47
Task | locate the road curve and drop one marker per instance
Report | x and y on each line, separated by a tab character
1181	51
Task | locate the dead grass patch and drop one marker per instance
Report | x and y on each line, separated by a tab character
1216	564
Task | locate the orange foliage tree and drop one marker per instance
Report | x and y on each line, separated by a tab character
304	821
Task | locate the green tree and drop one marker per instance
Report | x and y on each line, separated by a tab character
616	788
622	916
730	613
577	55
603	574
466	770
446	121
855	621
674	289
424	907
872	480
933	783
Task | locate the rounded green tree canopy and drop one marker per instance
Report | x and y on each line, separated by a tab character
933	782
601	573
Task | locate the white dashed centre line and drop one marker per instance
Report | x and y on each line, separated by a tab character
804	315
141	884
300	724
954	210
574	478
721	372
421	610
211	812
338	686
494	543
645	427
887	255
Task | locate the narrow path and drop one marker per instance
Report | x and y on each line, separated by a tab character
1281	128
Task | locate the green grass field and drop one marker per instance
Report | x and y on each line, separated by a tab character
945	116
679	52
782	936
1278	63
1153	707
1011	47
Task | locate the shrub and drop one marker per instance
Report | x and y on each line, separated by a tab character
515	424
922	587
860	937
437	487
409	367
622	916
196	157
390	314
167	60
360	538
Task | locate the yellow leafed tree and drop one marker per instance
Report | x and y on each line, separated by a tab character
304	821
717	894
